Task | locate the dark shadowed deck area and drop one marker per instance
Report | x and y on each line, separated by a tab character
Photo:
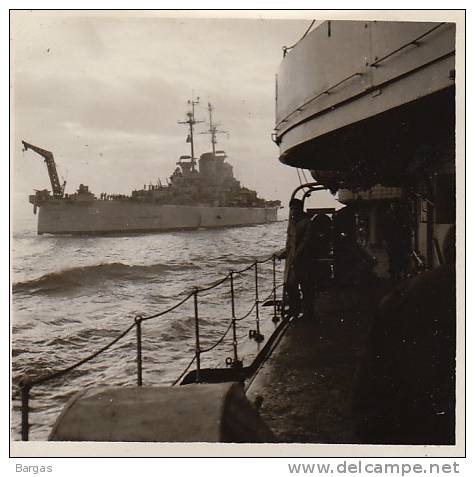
307	383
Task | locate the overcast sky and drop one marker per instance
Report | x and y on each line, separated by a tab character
104	93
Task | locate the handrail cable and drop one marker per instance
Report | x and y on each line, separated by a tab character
248	313
40	380
184	371
264	260
26	383
287	48
260	301
271	293
220	340
412	42
244	270
253	264
57	374
212	285
168	310
319	95
241	339
223	336
373	65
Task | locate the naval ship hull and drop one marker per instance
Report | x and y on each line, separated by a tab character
112	216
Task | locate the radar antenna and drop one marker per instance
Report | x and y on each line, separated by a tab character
213	129
191	121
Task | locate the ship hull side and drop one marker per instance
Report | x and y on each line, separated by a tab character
99	217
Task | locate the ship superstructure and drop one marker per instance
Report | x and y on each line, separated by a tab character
369	108
200	193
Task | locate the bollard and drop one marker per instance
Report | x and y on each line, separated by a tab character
197	336
25	387
138	322
258	336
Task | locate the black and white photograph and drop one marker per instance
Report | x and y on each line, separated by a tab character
238	232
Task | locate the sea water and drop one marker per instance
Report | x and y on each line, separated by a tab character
72	295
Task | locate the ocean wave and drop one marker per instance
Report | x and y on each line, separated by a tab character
69	278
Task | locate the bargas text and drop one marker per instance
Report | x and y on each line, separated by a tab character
33	469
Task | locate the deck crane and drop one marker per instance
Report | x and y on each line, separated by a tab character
58	189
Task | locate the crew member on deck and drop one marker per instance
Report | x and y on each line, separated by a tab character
298	273
318	246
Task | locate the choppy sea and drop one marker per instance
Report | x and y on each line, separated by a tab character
71	295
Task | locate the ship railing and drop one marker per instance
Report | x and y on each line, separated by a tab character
27	382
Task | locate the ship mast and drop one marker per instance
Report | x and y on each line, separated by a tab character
213	129
191	121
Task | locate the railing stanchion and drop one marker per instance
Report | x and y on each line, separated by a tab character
258	336
27	384
197	336
236	362
275	318
25	387
138	323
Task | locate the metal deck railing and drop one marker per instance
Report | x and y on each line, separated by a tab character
27	383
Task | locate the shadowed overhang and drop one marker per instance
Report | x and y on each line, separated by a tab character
368	102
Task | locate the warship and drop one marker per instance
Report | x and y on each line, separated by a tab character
200	193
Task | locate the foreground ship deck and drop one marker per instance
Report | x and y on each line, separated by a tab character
307	386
